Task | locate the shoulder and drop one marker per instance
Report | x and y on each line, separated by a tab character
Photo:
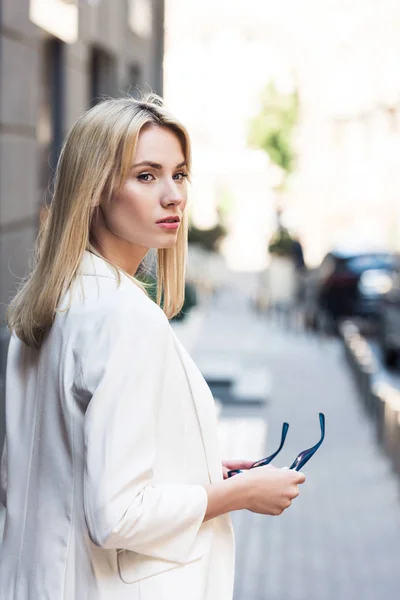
106	294
114	329
121	331
101	308
130	308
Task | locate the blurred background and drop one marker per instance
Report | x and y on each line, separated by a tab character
293	283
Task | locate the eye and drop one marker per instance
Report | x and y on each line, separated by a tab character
180	176
145	177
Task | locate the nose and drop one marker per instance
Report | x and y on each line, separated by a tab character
173	195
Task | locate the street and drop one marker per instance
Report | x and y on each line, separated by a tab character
244	154
341	537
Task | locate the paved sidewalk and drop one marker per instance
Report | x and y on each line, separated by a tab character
340	540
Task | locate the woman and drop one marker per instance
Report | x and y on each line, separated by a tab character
113	480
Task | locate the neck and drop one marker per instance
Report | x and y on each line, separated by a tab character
125	255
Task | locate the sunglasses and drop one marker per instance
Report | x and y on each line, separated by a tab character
301	459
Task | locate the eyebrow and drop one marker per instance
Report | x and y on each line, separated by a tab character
149	163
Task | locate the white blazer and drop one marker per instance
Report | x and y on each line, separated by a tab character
111	435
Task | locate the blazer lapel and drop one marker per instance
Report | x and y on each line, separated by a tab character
206	413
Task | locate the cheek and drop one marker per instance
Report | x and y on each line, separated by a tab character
184	199
132	200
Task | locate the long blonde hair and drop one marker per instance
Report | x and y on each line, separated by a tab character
93	164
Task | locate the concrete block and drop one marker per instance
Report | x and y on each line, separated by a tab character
18	178
139	51
253	384
87	23
217	368
77	53
111	17
19	103
103	25
77	95
15	16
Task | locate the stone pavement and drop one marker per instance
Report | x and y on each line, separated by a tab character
340	540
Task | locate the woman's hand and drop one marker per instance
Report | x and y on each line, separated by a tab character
265	490
228	465
268	490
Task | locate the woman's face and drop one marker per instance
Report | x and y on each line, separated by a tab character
154	192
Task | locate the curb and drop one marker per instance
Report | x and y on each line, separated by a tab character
381	400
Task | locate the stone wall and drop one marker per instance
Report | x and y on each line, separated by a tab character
103	29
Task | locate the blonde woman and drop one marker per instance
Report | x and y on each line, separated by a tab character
112	477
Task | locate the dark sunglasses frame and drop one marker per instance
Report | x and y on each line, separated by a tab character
301	459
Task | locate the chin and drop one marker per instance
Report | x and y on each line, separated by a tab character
170	242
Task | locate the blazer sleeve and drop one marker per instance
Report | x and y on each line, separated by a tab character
124	507
3	475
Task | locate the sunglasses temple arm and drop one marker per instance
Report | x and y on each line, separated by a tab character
302	459
266	461
305	456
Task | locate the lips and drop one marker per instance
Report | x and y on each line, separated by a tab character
169	220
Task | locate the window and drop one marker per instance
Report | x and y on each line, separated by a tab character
103	80
134	80
51	110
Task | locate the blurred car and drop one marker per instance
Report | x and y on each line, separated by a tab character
389	320
348	284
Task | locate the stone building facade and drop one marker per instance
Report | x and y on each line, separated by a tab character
57	57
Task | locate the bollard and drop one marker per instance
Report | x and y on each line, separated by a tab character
380	400
389	421
361	361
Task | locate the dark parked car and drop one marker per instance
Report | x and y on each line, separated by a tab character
348	284
389	320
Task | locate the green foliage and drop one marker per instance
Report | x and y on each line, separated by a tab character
207	238
190	302
272	129
225	202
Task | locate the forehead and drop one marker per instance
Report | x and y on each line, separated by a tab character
159	144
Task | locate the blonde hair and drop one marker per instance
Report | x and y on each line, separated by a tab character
93	164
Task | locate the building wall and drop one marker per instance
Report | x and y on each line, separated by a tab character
103	28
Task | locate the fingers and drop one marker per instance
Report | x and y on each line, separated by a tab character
295	492
246	464
238	464
300	477
242	464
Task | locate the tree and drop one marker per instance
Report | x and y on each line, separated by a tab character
272	129
281	243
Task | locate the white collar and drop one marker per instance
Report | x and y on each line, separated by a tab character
92	264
